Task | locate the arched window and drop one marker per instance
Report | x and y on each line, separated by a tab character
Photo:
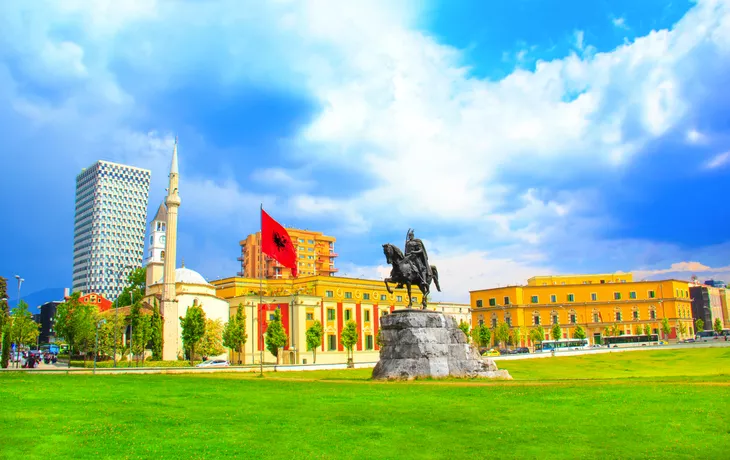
617	314
635	313
536	318
596	315
481	320
162	255
652	312
572	316
494	320
555	317
508	318
195	302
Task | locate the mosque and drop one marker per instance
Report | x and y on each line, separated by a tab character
176	289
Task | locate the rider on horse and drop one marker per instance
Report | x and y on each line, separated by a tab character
416	254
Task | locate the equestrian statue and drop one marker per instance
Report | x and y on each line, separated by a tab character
411	268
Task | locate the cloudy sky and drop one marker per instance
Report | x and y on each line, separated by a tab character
518	137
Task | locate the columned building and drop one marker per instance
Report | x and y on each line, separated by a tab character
109	226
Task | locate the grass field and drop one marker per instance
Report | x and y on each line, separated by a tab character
649	404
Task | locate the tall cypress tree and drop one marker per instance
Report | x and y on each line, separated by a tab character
156	333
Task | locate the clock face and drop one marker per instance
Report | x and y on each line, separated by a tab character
162	239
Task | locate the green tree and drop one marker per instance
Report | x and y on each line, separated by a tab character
314	336
556	332
616	330
647	329
465	329
4	323
717	326
156	332
502	333
234	333
699	325
349	339
136	284
579	332
681	329
75	323
666	328
23	330
537	335
193	328
275	335
212	342
482	336
110	330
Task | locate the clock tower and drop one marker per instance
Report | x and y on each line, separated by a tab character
156	246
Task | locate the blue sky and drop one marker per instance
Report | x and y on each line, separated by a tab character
518	137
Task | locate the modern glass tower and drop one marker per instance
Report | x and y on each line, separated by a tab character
109	229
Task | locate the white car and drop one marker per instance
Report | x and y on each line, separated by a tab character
214	363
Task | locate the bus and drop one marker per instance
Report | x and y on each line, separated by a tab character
562	345
631	340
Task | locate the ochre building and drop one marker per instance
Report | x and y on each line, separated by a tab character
600	304
315	255
331	300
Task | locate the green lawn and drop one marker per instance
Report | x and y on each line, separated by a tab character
652	404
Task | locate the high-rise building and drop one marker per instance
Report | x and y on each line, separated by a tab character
109	229
315	255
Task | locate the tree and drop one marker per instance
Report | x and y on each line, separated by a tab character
4	323
616	330
579	332
136	284
699	325
666	328
156	333
193	328
482	335
502	333
212	342
647	329
141	330
465	329
275	335
537	335
681	328
234	332
556	332
717	326
349	339
110	330
314	336
23	330
75	323
514	336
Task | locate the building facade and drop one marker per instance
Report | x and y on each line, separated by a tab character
331	300
707	305
601	304
47	321
109	226
315	254
725	302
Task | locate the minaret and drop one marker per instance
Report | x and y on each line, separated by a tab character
169	309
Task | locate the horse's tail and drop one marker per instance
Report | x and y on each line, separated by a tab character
436	277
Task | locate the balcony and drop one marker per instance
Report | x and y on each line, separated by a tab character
333	254
240	274
240	258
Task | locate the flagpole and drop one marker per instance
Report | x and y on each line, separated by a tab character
261	285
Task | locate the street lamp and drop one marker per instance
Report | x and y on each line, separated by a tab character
96	348
20	283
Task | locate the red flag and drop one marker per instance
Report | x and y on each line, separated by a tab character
276	243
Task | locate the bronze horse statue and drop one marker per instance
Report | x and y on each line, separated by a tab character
406	273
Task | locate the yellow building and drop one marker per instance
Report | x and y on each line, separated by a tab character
315	253
331	300
600	304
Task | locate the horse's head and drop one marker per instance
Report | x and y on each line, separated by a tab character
388	251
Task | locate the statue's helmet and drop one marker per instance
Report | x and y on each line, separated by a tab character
410	233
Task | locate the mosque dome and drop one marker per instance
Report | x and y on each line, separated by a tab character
186	276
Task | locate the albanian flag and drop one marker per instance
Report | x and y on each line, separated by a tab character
275	242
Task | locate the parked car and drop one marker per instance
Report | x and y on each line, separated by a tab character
522	350
214	363
491	352
663	342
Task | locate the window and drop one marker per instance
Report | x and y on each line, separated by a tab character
652	314
533	299
329	294
618	316
572	318
348	295
310	316
331	343
348	315
536	319
492	302
368	342
414	299
330	314
632	295
399	298
596	317
553	298
367	316
383	297
616	296
571	297
594	296
636	315
506	300
479	304
555	319
366	296
494	321
271	316
652	294
508	320
310	241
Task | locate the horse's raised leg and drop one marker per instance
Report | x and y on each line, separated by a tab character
410	299
387	287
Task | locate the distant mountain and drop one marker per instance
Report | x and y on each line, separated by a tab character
38	298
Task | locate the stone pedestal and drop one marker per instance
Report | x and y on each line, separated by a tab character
422	343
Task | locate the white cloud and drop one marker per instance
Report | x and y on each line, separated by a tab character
718	161
278	177
695	137
620	23
579	36
685	270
